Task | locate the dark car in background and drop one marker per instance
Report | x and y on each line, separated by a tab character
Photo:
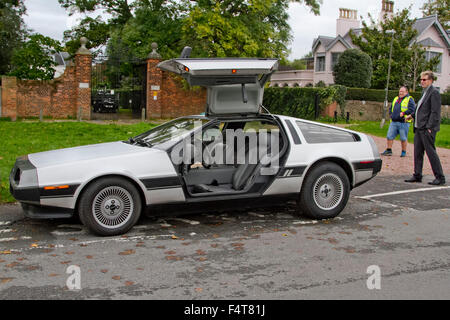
105	101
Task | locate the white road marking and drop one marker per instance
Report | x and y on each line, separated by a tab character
254	214
305	222
401	192
192	222
14	239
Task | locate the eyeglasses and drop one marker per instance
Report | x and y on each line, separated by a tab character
424	79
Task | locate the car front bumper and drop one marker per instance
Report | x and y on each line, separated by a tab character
24	187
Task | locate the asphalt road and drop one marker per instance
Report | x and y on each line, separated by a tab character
267	253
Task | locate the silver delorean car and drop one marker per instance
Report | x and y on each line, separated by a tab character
236	154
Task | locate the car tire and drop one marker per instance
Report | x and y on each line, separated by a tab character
325	191
110	206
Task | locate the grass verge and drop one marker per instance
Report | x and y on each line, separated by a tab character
373	128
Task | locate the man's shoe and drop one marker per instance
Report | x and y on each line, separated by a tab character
387	152
437	182
403	154
413	179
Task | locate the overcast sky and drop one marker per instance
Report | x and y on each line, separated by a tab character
48	18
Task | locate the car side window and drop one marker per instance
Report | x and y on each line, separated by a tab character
314	133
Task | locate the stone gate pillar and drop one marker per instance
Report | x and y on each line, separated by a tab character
83	66
154	82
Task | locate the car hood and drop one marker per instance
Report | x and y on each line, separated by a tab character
83	153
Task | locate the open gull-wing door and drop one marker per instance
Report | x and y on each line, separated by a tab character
235	85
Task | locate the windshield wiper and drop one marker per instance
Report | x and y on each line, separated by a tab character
141	142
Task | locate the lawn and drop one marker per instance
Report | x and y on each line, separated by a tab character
373	128
23	137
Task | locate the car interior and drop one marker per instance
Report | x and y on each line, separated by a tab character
237	156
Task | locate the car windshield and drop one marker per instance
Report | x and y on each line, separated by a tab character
168	133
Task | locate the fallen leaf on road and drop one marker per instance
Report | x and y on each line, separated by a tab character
175	258
129	283
237	244
127	252
332	241
174	237
202	259
116	277
198	289
6	280
5	252
104	270
70	252
12	265
284	235
65	262
89	257
214	245
200	252
171	252
34	245
53	275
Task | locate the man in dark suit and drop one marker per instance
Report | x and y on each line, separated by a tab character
427	123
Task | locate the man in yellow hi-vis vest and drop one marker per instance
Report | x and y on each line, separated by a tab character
402	106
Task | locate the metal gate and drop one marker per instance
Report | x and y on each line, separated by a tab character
118	87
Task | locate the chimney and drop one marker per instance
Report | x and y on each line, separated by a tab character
348	19
387	10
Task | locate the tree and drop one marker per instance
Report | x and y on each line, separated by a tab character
353	69
407	55
96	29
439	7
5	3
35	59
296	64
211	27
12	31
231	28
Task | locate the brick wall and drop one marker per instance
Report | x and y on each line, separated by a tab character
58	98
168	98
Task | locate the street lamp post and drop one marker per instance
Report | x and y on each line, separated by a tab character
383	121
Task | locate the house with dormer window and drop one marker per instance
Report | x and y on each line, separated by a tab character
326	50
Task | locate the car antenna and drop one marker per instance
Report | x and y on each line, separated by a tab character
186	53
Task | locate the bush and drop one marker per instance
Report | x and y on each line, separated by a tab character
300	102
378	95
353	69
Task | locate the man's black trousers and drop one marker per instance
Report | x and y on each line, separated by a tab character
424	141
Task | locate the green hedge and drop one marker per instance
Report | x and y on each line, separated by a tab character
378	95
300	102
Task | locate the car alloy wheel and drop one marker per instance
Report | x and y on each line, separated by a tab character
112	207
328	191
325	191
